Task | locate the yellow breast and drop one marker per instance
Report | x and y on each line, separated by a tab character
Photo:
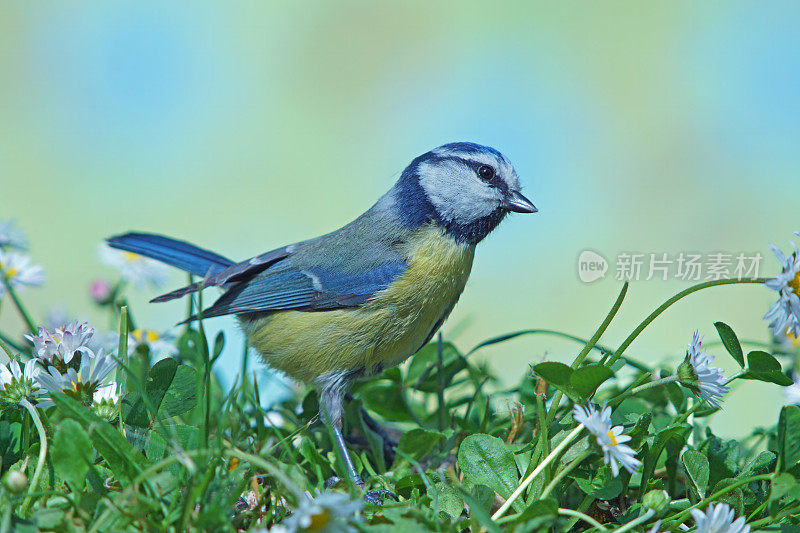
384	331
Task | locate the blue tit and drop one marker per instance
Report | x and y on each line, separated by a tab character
346	305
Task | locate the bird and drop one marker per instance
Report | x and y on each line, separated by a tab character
346	305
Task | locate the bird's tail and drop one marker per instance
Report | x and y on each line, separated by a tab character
173	252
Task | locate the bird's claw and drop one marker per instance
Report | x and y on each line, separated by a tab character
376	497
332	482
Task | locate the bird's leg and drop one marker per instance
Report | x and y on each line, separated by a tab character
333	386
331	399
348	463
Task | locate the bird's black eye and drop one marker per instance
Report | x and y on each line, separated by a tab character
485	172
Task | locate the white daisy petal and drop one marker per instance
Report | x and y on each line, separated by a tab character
696	373
11	237
784	315
17	272
718	518
610	439
134	268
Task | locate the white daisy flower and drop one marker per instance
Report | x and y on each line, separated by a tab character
328	512
83	383
62	343
718	518
791	394
106	394
18	383
157	344
105	402
11	237
784	315
17	272
610	439
697	374
134	268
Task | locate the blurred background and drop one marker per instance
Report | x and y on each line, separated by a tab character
649	128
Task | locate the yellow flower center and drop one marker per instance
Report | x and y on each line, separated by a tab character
11	272
131	257
145	335
319	521
794	340
795	284
613	438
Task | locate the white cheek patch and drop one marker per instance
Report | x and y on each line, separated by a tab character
456	193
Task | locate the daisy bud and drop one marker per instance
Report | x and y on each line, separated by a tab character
16	481
657	500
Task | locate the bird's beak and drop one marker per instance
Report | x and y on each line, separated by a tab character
519	204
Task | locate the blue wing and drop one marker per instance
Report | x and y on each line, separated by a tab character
309	289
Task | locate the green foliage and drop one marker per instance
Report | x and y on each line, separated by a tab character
179	451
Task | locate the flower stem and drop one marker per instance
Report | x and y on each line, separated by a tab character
6	348
21	308
566	470
633	523
586	349
536	471
663	307
5	338
585	517
42	454
656	383
736	375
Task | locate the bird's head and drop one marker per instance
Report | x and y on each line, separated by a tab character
464	187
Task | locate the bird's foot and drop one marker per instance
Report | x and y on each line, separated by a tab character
376	497
332	482
373	497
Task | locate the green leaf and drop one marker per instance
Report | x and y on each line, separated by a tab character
449	500
71	453
558	375
312	455
122	458
385	399
788	438
421	373
585	380
761	464
479	515
219	345
782	485
171	388
640	430
487	460
603	486
417	443
546	507
181	395
762	366
696	465
734	498
730	341
676	434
